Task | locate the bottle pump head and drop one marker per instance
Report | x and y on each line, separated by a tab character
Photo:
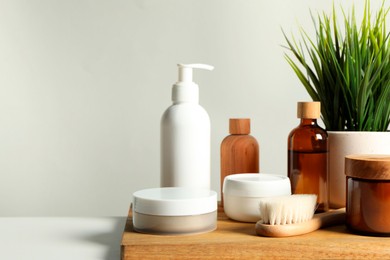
185	90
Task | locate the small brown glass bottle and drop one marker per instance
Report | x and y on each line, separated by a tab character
308	155
239	150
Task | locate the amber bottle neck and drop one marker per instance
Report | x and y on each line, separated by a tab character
308	121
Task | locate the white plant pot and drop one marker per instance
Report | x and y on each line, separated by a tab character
343	143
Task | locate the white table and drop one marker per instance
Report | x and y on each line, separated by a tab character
61	238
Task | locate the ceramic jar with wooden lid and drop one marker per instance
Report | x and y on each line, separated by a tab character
368	194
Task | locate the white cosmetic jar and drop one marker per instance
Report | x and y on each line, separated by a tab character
174	211
241	193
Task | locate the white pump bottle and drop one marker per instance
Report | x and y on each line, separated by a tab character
185	135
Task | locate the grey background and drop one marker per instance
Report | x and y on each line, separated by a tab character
83	85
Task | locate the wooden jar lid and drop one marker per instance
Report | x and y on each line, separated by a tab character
368	166
309	110
239	126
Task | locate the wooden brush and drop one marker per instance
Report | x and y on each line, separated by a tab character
294	215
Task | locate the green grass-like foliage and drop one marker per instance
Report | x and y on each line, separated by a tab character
347	71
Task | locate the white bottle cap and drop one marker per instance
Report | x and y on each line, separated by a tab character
175	201
185	90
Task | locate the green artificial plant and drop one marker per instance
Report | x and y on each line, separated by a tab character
347	70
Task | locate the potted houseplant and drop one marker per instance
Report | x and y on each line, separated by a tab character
347	69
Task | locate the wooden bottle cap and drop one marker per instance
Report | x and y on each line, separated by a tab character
309	110
368	166
239	126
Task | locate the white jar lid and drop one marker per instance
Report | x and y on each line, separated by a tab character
174	201
256	185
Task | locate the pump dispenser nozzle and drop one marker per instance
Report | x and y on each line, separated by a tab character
185	90
185	70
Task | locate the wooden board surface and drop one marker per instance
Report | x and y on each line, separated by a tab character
236	240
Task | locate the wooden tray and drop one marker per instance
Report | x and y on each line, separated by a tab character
238	240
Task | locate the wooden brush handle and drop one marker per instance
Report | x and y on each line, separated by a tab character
326	219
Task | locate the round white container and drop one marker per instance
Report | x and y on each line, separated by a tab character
241	193
174	210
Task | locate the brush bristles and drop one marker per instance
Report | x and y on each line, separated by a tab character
287	209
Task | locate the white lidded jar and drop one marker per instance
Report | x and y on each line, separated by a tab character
242	193
185	135
174	211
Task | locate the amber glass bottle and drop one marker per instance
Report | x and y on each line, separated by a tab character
239	150
308	155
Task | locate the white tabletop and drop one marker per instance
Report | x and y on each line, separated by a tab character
61	238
